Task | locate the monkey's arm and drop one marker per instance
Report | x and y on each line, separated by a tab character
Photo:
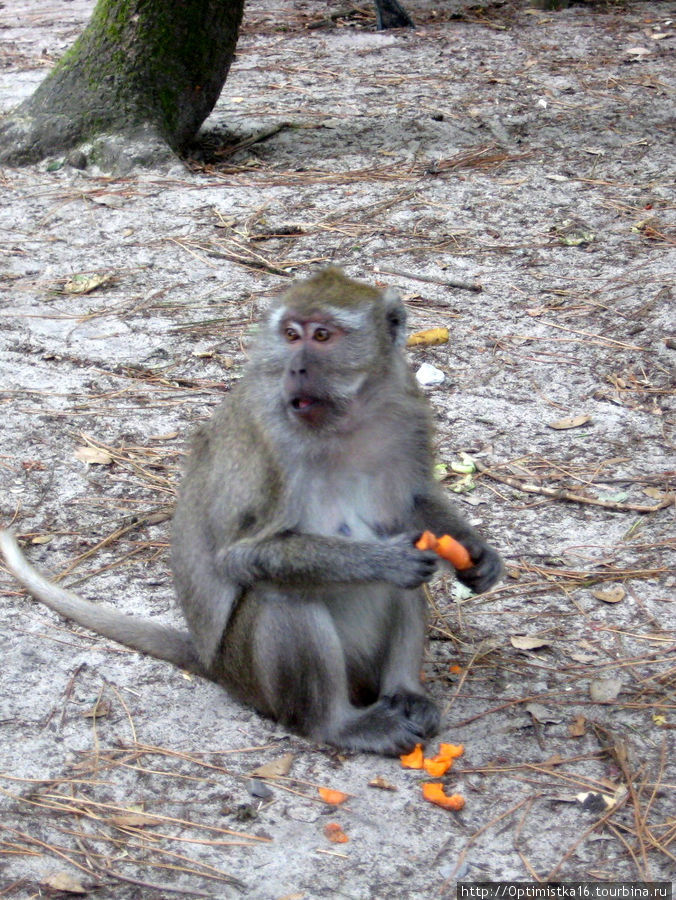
290	558
435	513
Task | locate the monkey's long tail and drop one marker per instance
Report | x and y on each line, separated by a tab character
159	641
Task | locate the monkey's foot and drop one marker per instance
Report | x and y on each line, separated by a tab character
420	712
392	726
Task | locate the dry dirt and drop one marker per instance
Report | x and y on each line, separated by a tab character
524	150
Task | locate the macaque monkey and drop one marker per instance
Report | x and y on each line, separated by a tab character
293	547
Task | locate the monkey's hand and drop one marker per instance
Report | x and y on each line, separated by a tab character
406	566
486	570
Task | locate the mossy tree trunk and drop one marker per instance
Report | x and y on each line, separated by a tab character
141	67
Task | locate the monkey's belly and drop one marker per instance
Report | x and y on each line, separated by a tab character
356	613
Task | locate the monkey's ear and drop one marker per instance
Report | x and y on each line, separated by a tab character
395	316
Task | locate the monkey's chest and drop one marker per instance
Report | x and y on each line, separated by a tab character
358	506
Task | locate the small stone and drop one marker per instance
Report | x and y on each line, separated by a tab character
428	375
77	159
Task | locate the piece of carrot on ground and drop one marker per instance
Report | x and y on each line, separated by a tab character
451	751
434	792
436	766
414	759
331	796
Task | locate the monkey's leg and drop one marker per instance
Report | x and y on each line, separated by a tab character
401	686
300	676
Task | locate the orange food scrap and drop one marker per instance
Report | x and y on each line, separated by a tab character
446	547
426	541
451	751
454	552
330	796
335	833
434	793
414	759
437	766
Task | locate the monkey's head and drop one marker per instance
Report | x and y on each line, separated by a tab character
330	340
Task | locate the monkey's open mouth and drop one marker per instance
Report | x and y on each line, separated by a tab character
304	404
311	409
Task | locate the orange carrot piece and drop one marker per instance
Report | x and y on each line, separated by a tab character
335	833
447	547
426	541
451	751
434	793
333	797
414	759
454	552
436	766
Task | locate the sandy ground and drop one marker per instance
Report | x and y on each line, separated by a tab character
531	152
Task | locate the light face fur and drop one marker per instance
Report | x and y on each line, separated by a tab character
293	538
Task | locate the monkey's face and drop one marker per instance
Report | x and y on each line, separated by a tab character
330	342
324	365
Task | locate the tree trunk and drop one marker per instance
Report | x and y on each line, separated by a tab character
141	67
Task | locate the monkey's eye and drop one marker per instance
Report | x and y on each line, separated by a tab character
321	334
291	334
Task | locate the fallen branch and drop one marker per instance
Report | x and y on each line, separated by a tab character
445	282
572	496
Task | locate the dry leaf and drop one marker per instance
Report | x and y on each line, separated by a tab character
541	714
610	595
133	820
431	337
328	795
570	422
102	708
276	767
85	284
42	539
555	760
655	493
578	728
382	783
169	436
335	833
93	456
605	690
600	803
527	642
114	201
63	881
